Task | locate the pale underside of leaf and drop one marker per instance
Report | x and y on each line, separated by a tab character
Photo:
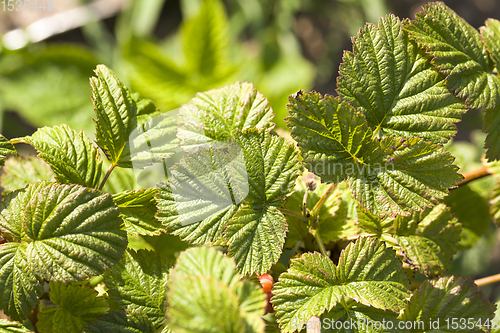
7	326
391	81
206	261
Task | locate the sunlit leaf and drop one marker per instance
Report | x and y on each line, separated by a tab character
388	176
459	52
391	81
69	153
367	273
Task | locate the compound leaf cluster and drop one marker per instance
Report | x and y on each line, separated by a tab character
427	240
390	80
389	176
229	192
367	273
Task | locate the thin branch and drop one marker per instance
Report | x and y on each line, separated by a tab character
354	237
304	202
319	241
293	213
111	167
488	280
473	175
322	200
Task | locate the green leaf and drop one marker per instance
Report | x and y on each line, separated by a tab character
459	52
391	81
7	326
201	304
494	201
207	295
132	321
368	273
491	125
360	318
256	236
75	308
153	140
139	281
205	262
389	176
138	209
271	163
198	201
12	211
74	232
222	112
206	191
6	149
69	153
445	299
118	114
427	240
472	211
19	288
491	37
20	171
206	40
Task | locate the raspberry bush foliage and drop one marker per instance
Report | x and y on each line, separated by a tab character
356	212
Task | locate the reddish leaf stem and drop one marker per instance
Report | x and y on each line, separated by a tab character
111	167
473	175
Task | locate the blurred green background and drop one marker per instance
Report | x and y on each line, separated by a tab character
168	50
